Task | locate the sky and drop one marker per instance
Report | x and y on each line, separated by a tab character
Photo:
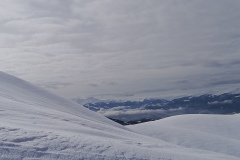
122	48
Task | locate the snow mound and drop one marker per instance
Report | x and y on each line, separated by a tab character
36	124
218	133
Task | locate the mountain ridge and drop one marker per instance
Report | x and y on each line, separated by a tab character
132	112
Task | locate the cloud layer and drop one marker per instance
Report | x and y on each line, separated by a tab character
122	48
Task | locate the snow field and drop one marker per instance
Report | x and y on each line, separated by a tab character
36	124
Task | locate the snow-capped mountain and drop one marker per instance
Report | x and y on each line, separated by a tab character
132	112
36	124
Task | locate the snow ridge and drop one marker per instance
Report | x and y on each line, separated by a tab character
218	133
36	124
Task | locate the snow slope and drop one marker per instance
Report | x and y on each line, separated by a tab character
36	124
218	133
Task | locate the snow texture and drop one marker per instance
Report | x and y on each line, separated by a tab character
36	124
218	133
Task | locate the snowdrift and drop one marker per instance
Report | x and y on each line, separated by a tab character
218	133
36	124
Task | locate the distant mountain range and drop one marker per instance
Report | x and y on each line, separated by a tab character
133	112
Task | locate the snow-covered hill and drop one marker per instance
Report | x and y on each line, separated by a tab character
218	133
36	124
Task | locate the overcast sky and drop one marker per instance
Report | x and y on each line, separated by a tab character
122	48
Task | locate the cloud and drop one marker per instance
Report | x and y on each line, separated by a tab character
110	83
124	113
226	82
56	85
122	47
221	102
93	85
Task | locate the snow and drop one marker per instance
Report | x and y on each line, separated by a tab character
221	102
36	124
218	133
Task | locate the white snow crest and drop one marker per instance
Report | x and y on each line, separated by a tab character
36	124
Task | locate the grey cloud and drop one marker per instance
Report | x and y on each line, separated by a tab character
57	85
226	82
115	95
234	62
152	90
182	82
213	64
126	48
222	64
110	83
93	85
